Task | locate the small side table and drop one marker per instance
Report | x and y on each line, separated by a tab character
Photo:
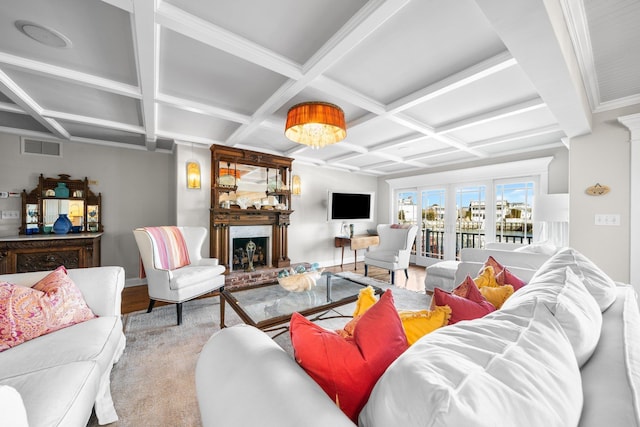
356	242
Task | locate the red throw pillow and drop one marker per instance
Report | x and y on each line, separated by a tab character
505	277
348	368
473	306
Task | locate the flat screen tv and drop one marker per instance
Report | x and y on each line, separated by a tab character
349	206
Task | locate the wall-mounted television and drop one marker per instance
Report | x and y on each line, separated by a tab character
350	206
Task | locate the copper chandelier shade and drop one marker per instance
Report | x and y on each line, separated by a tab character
316	124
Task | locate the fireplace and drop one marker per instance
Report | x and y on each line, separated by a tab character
240	237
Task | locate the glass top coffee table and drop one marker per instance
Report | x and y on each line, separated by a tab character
268	305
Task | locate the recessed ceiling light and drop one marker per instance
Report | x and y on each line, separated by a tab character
45	35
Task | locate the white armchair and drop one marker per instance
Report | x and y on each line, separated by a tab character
394	250
201	276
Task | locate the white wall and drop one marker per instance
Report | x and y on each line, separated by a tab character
137	189
311	236
144	188
602	157
192	205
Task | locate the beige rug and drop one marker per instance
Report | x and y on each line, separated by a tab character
153	384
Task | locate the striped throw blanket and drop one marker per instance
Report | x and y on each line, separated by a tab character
171	249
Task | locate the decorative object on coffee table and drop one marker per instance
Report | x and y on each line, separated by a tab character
300	281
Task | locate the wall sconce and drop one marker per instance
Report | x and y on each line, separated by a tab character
193	174
296	185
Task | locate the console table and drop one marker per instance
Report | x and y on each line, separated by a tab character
23	253
362	241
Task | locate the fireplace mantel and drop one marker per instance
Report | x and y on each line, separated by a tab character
228	162
223	219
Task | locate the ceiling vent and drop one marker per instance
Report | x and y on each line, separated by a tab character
41	147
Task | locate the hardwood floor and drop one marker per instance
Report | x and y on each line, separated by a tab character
136	298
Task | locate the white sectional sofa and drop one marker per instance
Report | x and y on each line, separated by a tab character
522	260
561	352
61	376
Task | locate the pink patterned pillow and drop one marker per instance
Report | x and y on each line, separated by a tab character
53	303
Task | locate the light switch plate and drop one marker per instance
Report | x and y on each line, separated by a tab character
10	214
608	219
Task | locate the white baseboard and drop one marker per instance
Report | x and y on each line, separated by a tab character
134	281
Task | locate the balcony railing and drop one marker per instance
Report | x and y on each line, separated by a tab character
469	236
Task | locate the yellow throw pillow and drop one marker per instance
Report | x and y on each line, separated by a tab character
417	323
486	277
497	295
366	298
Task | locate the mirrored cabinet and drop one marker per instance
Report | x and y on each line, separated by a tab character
62	197
61	224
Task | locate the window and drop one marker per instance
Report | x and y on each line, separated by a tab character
469	207
470	218
513	212
433	219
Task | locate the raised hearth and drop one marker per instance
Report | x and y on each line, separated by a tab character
239	279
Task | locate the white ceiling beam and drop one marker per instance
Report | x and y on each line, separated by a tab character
453	82
209	34
125	5
116	144
368	19
201	108
418	126
69	75
363	23
517	136
348	95
15	93
188	138
535	33
490	116
577	24
11	108
92	121
145	40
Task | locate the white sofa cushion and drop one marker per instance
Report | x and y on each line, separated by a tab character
570	302
599	285
192	275
502	370
96	340
58	396
611	377
12	407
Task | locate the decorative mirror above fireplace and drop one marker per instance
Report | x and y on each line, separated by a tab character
248	189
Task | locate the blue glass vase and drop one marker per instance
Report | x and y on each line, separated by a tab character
62	224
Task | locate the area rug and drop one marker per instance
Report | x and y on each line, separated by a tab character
153	384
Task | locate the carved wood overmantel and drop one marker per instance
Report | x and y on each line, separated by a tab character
234	172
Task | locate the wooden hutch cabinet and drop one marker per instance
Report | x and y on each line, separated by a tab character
249	188
37	247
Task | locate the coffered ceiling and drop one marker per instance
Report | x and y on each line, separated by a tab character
423	83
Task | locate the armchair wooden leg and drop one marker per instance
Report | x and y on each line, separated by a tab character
179	312
366	270
406	273
151	303
393	277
